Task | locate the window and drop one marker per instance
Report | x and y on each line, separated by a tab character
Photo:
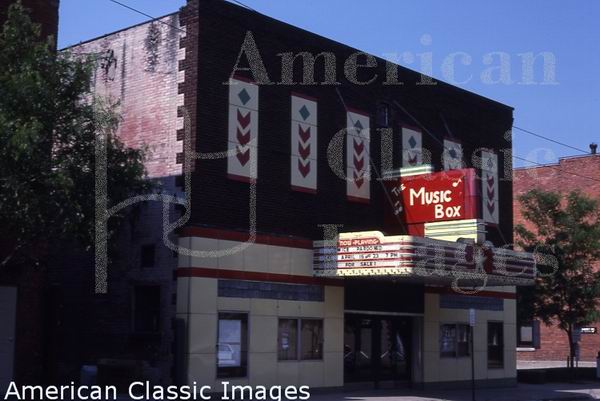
312	339
495	341
288	339
455	340
147	255
232	345
528	334
300	339
146	309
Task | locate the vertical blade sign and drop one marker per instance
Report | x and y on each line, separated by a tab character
242	144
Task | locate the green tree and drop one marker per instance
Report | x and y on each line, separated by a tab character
49	122
566	228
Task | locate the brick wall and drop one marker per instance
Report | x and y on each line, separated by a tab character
554	345
138	68
558	178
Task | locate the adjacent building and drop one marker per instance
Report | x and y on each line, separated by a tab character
538	344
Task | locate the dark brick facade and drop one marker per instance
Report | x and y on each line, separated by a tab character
219	202
554	345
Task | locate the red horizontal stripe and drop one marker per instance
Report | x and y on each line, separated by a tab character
255	276
292	242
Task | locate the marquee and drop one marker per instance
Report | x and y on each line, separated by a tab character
422	259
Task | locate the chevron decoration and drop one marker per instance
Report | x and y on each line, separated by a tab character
357	157
243	130
453	155
412	147
489	187
304	144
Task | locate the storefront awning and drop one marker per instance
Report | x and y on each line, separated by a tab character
419	259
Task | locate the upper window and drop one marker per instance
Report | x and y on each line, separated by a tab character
455	340
495	344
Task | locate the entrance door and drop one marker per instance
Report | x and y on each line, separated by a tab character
8	306
376	348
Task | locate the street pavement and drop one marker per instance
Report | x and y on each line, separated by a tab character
523	392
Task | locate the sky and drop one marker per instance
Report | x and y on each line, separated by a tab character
558	99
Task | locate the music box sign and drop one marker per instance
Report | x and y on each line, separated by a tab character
447	195
443	196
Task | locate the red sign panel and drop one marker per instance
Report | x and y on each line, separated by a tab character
443	196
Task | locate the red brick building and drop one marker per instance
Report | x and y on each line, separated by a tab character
542	343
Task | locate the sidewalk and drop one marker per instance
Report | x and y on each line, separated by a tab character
551	364
524	392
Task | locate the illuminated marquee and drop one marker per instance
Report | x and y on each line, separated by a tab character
425	259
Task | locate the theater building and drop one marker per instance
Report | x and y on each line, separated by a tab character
538	344
266	295
335	229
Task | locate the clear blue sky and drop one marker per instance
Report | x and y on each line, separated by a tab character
568	111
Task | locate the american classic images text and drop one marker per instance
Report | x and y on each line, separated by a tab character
147	391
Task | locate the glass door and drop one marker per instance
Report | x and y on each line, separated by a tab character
376	348
358	349
395	349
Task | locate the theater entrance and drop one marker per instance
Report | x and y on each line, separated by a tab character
377	348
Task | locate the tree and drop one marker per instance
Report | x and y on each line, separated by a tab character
49	123
566	228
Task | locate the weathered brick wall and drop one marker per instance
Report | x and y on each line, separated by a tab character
554	344
138	68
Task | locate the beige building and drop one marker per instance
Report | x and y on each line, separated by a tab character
264	315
